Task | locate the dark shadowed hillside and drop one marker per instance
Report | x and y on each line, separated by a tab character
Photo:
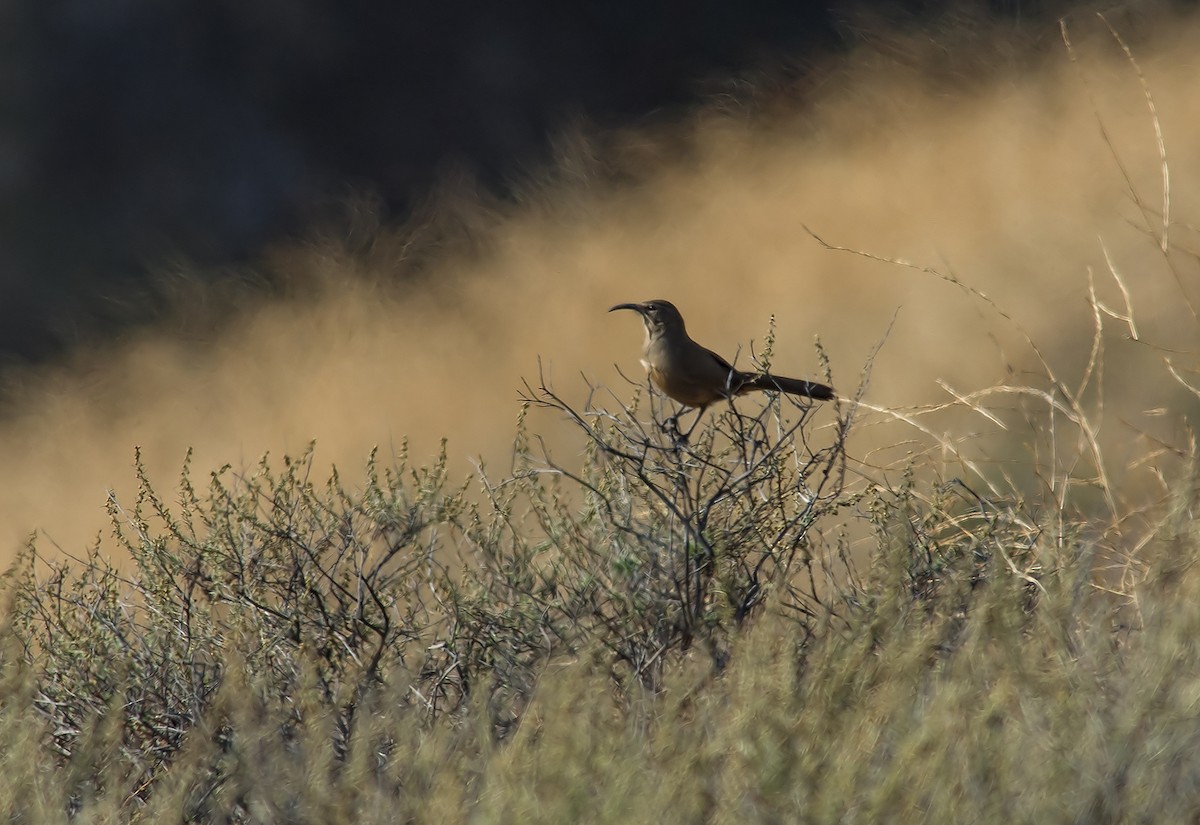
134	134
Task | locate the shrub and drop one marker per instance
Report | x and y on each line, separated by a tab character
414	587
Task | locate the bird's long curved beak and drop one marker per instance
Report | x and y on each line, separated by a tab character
638	308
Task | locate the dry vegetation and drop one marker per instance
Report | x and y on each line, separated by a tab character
967	591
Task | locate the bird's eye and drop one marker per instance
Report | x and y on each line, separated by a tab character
652	308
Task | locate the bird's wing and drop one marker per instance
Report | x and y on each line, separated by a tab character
729	377
720	361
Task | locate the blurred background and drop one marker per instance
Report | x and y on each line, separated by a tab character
139	134
234	228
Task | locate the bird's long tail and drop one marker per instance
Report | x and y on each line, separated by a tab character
792	386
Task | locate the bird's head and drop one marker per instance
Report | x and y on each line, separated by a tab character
659	316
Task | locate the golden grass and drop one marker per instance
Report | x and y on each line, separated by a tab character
915	709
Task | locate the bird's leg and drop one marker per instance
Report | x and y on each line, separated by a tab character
688	434
671	427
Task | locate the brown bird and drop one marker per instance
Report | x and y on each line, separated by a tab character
696	376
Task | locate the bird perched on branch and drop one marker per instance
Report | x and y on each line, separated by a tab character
696	376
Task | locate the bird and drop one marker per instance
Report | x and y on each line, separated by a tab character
695	376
